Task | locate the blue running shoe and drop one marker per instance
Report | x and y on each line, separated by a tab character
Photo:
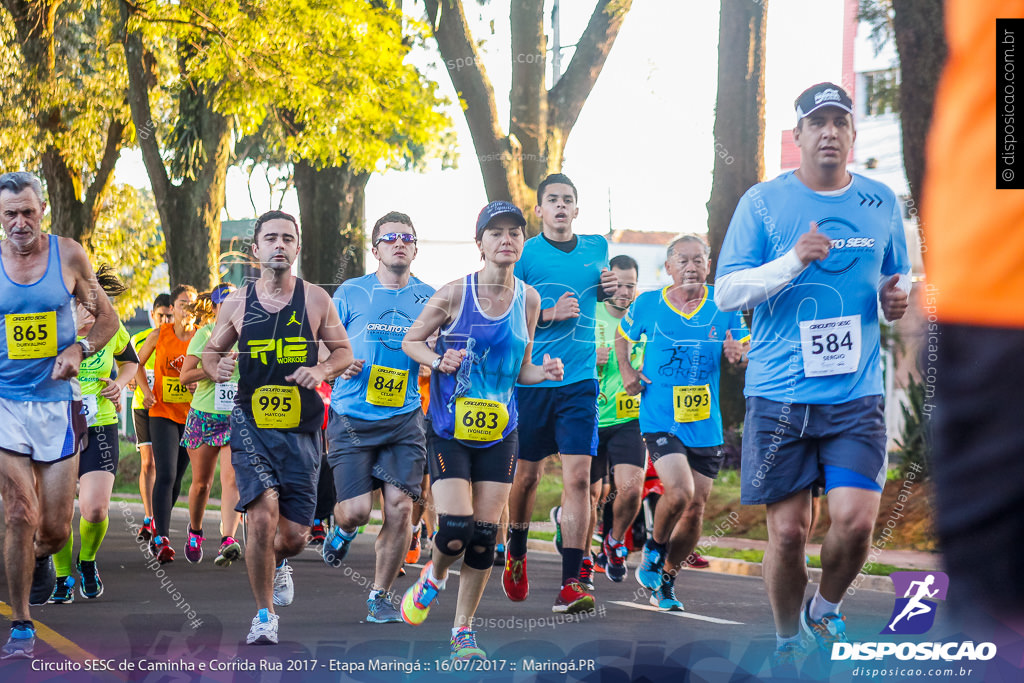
336	546
381	611
831	629
22	642
648	574
664	598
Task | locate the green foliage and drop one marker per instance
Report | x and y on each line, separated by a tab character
128	236
879	15
913	438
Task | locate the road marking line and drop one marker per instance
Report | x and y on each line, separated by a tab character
688	615
52	638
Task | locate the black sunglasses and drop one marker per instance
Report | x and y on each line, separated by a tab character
391	237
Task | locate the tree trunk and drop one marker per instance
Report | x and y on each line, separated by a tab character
541	119
190	211
74	210
332	208
739	145
919	28
739	113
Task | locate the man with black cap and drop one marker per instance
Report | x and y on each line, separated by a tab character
813	253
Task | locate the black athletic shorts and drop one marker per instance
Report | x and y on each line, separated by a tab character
705	460
619	444
452	459
102	453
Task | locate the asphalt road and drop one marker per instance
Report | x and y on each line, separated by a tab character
182	622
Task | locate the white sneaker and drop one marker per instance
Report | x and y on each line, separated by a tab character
264	629
284	587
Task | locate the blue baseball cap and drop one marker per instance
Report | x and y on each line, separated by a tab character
220	292
495	209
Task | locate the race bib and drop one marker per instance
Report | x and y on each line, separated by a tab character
691	404
175	391
90	406
31	335
276	407
150	376
830	346
387	387
477	419
224	396
626	406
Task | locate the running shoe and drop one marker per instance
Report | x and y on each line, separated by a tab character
194	547
162	550
284	587
92	586
587	573
264	629
648	574
514	581
336	547
831	629
64	591
147	531
230	551
317	533
401	570
617	554
499	555
381	611
600	563
665	598
556	518
573	598
785	660
464	645
420	596
413	556
44	578
696	561
22	641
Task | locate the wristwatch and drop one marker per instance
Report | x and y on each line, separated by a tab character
437	363
87	349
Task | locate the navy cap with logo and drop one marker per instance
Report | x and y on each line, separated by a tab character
822	95
220	292
495	209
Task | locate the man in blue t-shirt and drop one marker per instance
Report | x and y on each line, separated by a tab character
375	433
680	416
570	272
814	253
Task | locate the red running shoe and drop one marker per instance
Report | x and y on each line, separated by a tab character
573	598
695	561
514	580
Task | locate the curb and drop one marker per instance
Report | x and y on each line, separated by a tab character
882	584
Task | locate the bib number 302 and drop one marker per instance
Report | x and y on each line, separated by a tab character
478	419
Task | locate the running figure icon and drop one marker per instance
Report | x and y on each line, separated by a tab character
915	606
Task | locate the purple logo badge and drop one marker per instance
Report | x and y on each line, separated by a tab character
914	612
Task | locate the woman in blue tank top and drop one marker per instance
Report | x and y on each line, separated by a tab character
485	323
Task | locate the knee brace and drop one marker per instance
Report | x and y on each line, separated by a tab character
453	533
480	551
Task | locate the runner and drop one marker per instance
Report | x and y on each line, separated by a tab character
620	448
486	322
160	314
279	321
39	428
207	432
97	464
679	416
813	259
570	274
167	402
376	428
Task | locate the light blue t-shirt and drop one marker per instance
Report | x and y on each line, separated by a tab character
376	319
683	360
552	273
835	357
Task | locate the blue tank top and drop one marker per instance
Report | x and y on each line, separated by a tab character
477	404
36	324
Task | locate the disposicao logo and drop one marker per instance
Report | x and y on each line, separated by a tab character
914	613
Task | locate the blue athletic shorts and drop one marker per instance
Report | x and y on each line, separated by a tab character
557	420
787	446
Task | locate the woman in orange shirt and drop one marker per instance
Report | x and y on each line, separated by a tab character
168	402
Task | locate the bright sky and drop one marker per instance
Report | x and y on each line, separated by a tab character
642	151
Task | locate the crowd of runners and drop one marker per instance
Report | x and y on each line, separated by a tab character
314	406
